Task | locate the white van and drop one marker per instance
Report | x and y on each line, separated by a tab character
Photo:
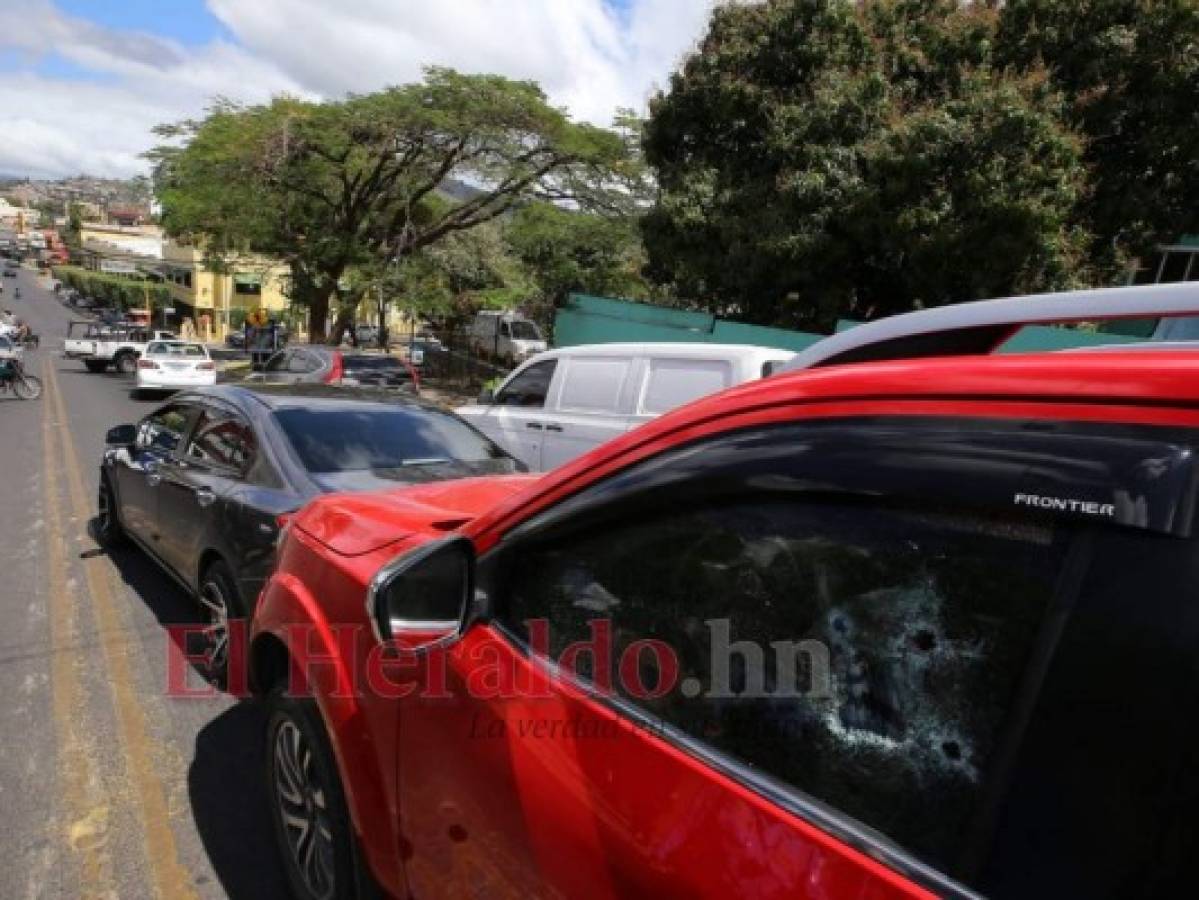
562	403
505	336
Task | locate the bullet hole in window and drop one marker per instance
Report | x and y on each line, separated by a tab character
924	640
952	750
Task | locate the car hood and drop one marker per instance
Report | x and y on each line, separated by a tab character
359	523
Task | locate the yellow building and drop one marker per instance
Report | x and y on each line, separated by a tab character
217	301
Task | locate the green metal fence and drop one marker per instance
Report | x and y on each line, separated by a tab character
604	320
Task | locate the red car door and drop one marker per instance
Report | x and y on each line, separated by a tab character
732	671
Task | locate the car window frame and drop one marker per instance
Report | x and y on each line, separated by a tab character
601	496
621	402
190	407
241	473
284	360
553	362
297	363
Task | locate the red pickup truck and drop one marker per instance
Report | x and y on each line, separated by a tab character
915	621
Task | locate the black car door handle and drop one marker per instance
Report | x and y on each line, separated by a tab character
553	427
534	425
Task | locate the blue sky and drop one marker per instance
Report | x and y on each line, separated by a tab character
83	82
186	21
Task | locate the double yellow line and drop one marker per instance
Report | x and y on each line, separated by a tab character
96	610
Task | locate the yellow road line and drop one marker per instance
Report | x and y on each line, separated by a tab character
84	802
170	879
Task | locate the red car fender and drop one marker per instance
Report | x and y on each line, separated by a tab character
289	613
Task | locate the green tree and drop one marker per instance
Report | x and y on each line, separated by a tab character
822	158
568	250
74	223
461	274
332	187
1130	72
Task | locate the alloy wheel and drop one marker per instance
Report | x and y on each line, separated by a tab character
303	811
216	634
104	510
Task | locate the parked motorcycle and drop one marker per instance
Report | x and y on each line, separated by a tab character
12	375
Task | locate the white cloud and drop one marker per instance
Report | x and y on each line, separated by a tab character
587	57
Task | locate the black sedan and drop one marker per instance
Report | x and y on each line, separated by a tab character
204	483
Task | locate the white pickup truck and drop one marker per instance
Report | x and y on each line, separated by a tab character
119	346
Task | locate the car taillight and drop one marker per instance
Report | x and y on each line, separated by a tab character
415	375
337	370
206	366
147	364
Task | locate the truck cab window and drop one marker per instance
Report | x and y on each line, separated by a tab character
530	387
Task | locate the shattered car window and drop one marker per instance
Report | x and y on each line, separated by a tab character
866	656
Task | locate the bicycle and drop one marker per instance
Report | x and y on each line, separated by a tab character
12	375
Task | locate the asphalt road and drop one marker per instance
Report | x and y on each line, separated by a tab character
109	786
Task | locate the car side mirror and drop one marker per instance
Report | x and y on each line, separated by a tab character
121	436
486	397
422	600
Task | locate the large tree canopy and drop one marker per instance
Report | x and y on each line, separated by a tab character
819	158
1130	72
333	187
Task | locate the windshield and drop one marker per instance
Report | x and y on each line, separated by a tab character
190	350
365	437
378	363
525	331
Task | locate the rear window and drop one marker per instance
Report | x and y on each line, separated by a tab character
372	363
188	350
366	437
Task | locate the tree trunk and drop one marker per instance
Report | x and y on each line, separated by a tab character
314	292
318	315
344	320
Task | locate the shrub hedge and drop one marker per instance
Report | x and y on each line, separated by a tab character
121	291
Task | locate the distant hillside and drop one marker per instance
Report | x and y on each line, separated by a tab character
458	190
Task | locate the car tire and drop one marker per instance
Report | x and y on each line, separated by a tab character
109	530
307	804
95	366
126	363
221	603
